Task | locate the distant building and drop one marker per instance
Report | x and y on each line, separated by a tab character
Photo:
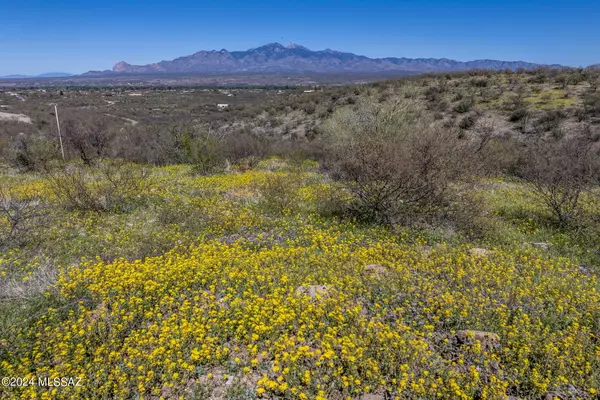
308	91
222	105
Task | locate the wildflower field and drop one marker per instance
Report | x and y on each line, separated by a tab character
207	287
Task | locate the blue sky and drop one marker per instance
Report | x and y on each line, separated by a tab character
77	36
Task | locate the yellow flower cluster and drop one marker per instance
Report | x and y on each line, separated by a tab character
139	327
295	311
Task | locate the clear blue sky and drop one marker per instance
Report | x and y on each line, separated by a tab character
76	36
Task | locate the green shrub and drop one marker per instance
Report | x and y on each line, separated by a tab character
203	148
280	192
464	106
105	187
396	163
20	217
559	173
33	152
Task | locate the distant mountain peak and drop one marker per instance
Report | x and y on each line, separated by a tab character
274	57
297	46
121	66
274	45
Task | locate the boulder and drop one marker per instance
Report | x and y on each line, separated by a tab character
585	269
479	252
372	396
376	269
541	245
314	290
552	396
488	340
231	239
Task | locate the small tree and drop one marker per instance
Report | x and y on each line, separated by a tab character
19	216
203	148
245	148
398	165
104	187
89	138
591	103
558	174
563	80
33	151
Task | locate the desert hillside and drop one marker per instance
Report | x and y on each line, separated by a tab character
431	237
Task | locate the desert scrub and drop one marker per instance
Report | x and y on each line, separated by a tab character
107	186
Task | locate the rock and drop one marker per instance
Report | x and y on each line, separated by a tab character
227	166
314	290
372	396
540	245
479	252
364	311
584	269
376	269
426	250
231	239
552	396
488	340
573	391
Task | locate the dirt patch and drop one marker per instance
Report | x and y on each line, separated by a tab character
131	121
15	117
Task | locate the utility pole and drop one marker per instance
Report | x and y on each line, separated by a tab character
62	150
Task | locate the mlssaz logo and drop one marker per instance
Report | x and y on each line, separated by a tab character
59	382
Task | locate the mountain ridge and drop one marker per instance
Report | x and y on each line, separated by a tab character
274	57
45	75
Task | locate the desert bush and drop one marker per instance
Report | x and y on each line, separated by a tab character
280	192
559	172
516	106
204	149
309	108
440	105
333	200
468	214
499	155
20	217
156	145
245	149
33	152
480	83
89	138
591	103
550	121
105	187
468	121
562	80
464	106
432	93
396	163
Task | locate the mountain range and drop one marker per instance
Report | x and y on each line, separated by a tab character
46	75
276	58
